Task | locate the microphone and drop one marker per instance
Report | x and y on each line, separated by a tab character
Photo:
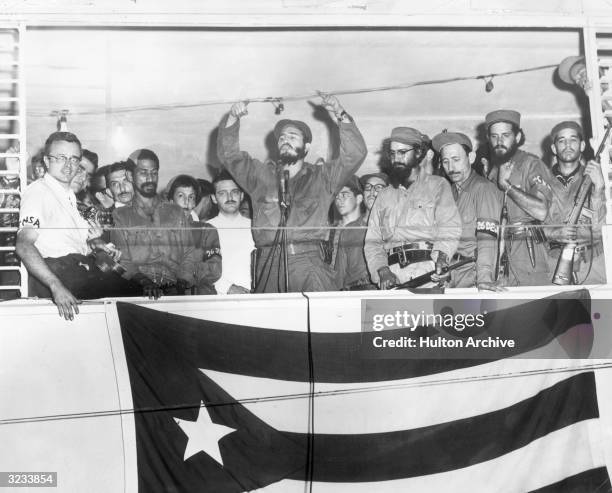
285	188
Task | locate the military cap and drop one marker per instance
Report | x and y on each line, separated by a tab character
567	124
301	126
354	185
508	116
445	138
408	136
566	66
383	176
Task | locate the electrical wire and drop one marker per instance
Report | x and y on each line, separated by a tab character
311	394
297	97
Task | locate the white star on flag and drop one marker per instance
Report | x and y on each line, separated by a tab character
203	435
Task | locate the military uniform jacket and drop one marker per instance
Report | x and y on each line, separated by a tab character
479	202
312	190
426	211
529	174
564	191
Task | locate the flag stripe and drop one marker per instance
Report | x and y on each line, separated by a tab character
455	444
559	454
593	481
392	406
280	354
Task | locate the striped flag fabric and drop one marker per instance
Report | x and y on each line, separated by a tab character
222	407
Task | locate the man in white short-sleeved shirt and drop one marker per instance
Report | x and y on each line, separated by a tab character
52	237
235	237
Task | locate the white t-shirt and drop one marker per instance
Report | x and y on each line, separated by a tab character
49	207
236	244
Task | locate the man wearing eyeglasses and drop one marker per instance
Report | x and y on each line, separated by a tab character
53	237
372	184
414	224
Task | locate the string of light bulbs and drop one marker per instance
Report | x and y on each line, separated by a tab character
278	101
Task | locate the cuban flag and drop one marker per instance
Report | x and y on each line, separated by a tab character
224	407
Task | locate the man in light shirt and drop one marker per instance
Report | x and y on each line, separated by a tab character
53	237
234	236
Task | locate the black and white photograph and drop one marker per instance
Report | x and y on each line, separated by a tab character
306	246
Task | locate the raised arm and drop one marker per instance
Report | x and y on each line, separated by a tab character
353	148
246	171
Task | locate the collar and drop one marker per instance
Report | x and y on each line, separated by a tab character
565	180
59	189
465	185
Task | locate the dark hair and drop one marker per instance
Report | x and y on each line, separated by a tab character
184	181
206	187
95	179
119	166
92	157
60	137
515	130
147	154
222	176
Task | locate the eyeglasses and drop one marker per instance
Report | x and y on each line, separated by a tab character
376	188
344	195
73	160
400	152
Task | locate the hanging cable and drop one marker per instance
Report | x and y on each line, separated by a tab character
278	101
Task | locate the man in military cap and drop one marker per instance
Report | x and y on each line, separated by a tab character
479	202
523	177
414	225
310	189
372	184
572	70
567	174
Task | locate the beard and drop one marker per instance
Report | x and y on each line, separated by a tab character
399	174
289	155
501	154
148	189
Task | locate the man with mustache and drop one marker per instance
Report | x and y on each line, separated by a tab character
234	236
119	179
414	225
157	246
310	189
524	179
568	145
479	202
372	184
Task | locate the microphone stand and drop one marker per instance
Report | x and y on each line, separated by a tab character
285	205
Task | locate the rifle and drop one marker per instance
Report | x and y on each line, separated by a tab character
501	261
416	282
564	271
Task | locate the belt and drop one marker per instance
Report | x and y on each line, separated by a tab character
410	253
458	257
297	248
